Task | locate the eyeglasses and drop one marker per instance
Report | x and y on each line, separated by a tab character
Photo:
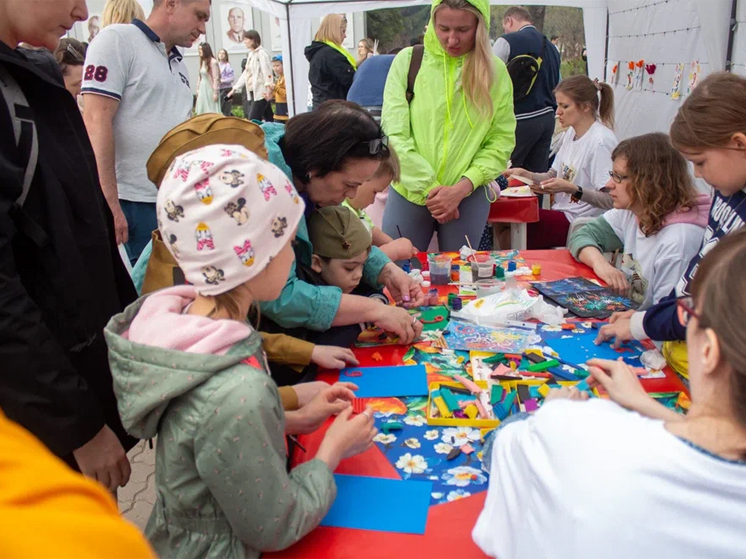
617	178
685	309
376	145
75	54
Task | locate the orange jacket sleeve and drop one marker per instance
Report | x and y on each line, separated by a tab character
47	510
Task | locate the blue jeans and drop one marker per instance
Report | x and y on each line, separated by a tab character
141	219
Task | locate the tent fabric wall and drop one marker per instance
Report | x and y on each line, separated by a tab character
663	32
296	17
739	42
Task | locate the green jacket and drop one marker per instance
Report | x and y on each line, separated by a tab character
222	486
441	137
597	233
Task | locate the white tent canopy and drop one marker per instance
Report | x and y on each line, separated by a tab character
296	18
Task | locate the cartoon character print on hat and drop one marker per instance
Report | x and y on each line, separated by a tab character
238	211
279	224
204	191
204	237
267	188
232	178
213	275
174	247
245	253
182	169
173	211
290	190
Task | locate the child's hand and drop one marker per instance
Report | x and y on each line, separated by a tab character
307	391
332	357
329	401
400	249
347	437
615	279
621	382
566	393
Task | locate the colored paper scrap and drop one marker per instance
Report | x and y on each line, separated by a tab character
383	505
385	382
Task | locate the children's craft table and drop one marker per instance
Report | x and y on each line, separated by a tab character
449	525
516	211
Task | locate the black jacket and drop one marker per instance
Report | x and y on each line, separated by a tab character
61	276
330	73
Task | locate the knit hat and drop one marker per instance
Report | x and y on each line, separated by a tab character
224	214
336	232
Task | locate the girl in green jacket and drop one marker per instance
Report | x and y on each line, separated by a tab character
457	133
188	368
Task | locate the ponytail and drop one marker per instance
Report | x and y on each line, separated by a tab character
598	96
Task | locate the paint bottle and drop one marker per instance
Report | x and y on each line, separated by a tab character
500	273
432	298
536	269
457	304
511	266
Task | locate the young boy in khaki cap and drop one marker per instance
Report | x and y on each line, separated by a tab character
341	244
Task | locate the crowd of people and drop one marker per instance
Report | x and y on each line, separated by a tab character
273	263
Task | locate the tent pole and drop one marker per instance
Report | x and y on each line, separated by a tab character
731	35
606	50
290	44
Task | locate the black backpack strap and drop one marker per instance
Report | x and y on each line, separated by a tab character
415	64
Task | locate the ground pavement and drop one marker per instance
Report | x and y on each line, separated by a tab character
137	499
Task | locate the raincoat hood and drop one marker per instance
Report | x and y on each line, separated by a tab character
148	377
312	49
432	43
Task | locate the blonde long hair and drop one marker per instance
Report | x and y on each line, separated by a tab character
478	75
121	11
330	29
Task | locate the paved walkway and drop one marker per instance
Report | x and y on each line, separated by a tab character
137	499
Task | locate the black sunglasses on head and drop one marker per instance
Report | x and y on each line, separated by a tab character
377	144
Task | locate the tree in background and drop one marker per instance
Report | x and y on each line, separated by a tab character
396	27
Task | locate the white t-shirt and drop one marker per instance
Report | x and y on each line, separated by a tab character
129	63
590	479
585	162
653	264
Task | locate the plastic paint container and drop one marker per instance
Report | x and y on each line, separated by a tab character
482	267
440	269
536	269
432	298
457	304
488	287
511	266
500	273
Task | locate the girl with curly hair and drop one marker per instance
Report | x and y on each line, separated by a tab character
657	222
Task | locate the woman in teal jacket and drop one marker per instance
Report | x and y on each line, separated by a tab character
456	135
330	152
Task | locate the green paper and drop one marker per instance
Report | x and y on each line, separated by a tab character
497	394
428	316
538	367
450	400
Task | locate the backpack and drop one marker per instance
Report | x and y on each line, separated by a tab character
523	71
415	64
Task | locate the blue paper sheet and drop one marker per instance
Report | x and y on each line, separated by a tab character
387	382
577	348
384	505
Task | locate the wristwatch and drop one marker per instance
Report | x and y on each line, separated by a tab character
577	195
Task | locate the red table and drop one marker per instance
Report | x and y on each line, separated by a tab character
516	211
449	526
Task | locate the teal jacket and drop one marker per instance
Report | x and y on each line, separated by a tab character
301	304
222	487
441	137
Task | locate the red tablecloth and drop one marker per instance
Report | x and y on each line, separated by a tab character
449	526
514	210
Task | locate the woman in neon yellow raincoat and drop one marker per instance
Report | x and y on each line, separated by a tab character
456	135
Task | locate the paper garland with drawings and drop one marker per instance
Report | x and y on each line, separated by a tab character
584	298
630	76
676	88
470	337
695	71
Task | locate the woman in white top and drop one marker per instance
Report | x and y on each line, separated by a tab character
658	221
581	168
258	79
591	479
208	84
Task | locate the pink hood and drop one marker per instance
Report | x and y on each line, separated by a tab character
696	215
160	323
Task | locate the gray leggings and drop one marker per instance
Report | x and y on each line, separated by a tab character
417	224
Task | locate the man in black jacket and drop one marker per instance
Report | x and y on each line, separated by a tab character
61	276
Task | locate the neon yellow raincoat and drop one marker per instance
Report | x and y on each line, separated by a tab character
441	136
